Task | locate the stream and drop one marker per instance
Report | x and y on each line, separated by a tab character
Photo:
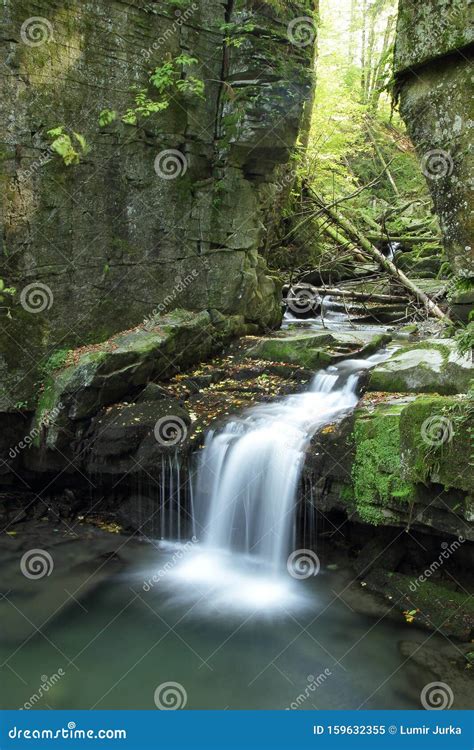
230	617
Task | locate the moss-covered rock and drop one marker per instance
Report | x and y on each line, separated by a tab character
438	442
316	350
426	367
377	480
119	367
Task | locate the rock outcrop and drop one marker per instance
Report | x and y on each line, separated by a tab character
106	221
433	68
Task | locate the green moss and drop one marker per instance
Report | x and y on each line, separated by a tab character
56	361
377	470
438	441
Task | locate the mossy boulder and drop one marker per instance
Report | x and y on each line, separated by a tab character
426	367
438	442
122	365
377	480
315	350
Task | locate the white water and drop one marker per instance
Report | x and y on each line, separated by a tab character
249	472
245	500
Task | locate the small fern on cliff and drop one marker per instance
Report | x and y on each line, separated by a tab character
69	146
168	80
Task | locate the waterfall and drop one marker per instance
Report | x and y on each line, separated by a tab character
248	474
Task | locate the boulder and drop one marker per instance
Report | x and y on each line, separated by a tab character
122	365
316	350
428	367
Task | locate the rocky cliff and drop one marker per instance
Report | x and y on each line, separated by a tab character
130	135
433	67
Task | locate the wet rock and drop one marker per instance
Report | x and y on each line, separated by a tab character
316	351
131	438
434	605
153	392
428	367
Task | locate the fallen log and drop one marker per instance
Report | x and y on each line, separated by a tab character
351	230
403	239
349	293
340	239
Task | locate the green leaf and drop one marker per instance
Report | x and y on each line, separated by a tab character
82	141
107	116
55	132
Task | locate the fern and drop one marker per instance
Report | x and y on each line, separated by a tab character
106	117
62	144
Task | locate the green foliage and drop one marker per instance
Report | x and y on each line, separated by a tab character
69	146
460	285
168	80
106	117
465	337
6	293
55	361
235	33
144	107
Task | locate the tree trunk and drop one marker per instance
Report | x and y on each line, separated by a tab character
356	236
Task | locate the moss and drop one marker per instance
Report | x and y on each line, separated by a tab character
438	441
377	471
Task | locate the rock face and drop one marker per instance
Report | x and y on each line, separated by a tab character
168	211
427	367
433	66
403	462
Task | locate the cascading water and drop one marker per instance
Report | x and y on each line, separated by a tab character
249	472
245	498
